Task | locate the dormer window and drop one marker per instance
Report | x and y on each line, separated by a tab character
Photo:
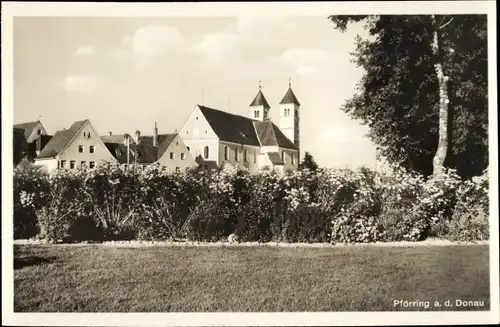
256	114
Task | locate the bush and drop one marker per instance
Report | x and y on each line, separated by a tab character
336	205
29	194
470	217
62	207
309	224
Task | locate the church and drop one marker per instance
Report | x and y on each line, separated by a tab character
216	138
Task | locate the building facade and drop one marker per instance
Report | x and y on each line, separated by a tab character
78	146
254	142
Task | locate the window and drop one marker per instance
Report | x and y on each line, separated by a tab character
72	164
254	156
206	152
177	169
63	163
236	154
283	156
177	143
182	156
172	155
245	155
226	154
206	132
286	113
80	148
188	149
39	132
58	164
83	163
92	164
256	114
293	158
91	149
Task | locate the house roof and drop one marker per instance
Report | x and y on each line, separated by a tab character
270	135
119	151
44	140
118	138
60	140
145	153
260	100
27	127
231	128
275	158
290	98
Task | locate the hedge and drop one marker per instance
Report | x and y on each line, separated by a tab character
327	205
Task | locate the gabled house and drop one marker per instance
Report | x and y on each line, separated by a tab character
78	146
31	130
255	143
28	140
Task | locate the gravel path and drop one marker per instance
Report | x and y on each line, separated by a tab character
430	242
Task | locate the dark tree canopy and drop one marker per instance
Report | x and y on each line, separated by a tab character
308	162
398	94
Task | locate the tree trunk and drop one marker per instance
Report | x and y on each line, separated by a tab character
442	148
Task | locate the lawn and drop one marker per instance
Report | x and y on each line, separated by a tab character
181	279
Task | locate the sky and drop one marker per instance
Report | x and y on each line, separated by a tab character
125	73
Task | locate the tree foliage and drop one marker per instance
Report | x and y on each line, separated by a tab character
398	95
308	162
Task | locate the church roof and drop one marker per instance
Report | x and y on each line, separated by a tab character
290	98
270	135
231	128
260	100
243	130
60	140
27	127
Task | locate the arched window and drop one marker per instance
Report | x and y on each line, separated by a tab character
226	155
206	152
245	155
188	148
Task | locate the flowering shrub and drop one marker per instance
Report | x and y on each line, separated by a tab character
63	206
30	192
400	194
470	216
325	205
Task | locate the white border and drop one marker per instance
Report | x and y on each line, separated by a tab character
10	9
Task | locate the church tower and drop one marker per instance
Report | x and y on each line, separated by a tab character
259	108
290	117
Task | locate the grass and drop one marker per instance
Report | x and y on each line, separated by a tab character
186	279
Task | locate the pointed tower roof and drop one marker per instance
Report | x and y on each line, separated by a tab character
260	100
290	97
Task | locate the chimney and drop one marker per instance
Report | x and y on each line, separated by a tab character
110	133
137	136
155	136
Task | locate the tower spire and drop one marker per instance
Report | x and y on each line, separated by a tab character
289	82
260	84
